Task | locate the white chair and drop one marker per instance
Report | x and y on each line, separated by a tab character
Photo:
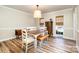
44	35
26	40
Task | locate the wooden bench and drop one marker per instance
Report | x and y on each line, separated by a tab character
42	38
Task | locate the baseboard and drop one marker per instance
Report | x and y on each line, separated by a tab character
68	38
7	39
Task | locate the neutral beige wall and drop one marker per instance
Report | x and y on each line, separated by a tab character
10	19
68	21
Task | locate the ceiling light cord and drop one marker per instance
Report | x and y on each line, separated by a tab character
37	6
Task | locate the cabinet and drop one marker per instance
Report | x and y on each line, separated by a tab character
49	25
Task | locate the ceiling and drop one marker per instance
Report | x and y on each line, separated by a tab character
43	8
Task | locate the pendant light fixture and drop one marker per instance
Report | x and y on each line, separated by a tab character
37	12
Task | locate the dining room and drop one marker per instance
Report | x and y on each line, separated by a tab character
32	29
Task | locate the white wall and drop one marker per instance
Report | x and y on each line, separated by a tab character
10	19
68	21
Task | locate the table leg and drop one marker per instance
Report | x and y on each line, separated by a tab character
35	44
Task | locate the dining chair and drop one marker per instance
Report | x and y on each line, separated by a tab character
44	36
26	40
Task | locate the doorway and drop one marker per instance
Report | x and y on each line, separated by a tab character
59	26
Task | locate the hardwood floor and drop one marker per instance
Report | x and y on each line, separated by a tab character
54	45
